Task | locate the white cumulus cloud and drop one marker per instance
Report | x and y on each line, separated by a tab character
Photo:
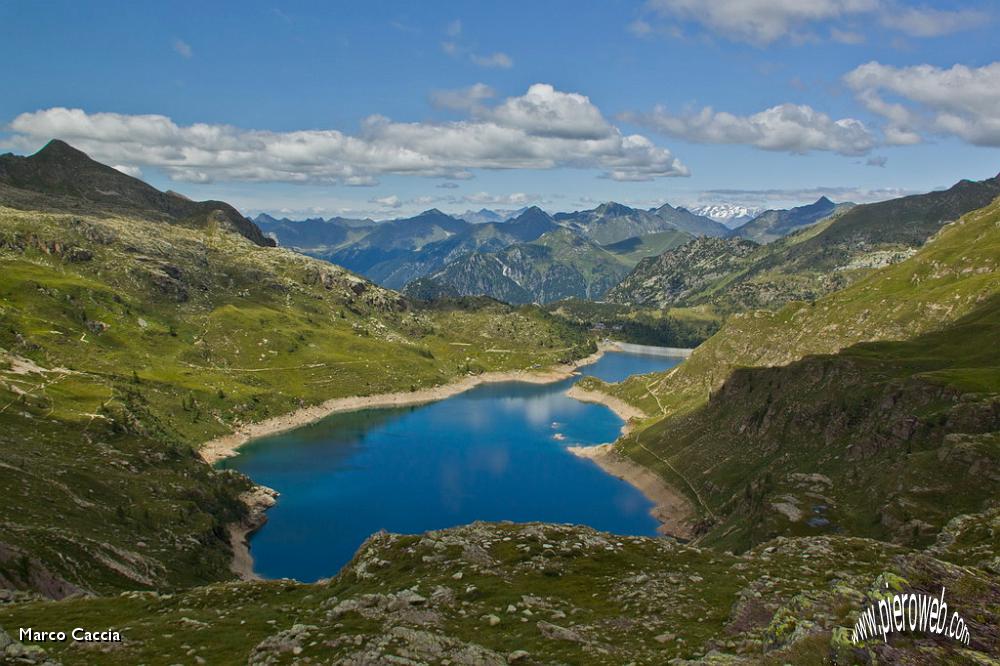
786	127
545	111
543	129
758	21
930	22
959	101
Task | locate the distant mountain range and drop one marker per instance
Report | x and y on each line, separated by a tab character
636	256
730	215
613	222
396	252
557	265
484	215
598	247
774	224
818	258
316	233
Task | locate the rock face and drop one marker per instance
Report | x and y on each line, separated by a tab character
612	222
69	177
682	274
16	652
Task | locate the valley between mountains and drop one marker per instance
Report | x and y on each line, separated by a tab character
833	434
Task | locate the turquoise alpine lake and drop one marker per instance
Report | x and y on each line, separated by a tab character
495	452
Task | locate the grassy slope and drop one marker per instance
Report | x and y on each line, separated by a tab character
888	440
146	339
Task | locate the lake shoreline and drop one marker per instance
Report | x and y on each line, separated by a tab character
227	446
622	409
670	508
258	500
261	498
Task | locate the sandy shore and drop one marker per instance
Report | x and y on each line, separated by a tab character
227	445
625	411
673	511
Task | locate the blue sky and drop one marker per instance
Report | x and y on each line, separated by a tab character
388	108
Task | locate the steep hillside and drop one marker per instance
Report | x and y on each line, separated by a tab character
61	178
888	440
773	224
560	264
674	327
686	274
430	290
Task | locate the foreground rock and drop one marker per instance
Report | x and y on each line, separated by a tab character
541	593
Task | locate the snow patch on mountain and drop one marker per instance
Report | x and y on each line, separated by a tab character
731	215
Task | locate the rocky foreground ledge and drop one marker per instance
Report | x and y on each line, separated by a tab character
539	593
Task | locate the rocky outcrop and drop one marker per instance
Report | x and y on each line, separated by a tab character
681	275
500	593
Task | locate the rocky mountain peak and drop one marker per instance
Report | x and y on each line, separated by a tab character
613	209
